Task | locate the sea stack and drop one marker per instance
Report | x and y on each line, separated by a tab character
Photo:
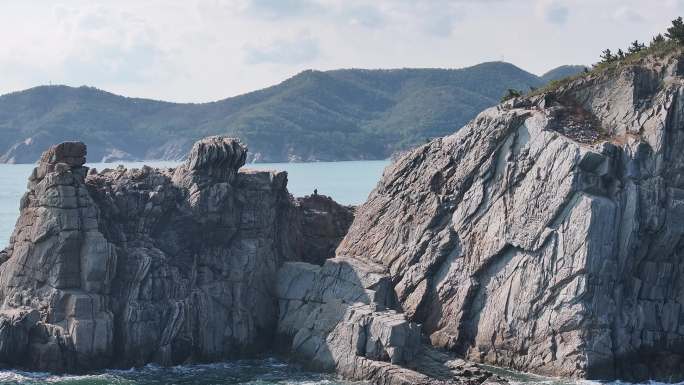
125	267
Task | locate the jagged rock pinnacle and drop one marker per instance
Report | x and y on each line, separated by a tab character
217	156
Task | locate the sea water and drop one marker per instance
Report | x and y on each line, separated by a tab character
266	371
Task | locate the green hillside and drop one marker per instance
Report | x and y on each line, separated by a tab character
331	115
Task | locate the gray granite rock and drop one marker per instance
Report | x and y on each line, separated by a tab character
339	317
546	235
323	223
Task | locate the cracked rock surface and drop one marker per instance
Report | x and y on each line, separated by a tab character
339	317
547	235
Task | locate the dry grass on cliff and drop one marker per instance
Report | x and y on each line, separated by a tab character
658	51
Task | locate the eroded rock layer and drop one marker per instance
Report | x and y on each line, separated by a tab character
547	234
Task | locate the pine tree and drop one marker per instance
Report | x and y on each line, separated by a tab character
676	32
620	54
607	56
636	47
510	94
657	39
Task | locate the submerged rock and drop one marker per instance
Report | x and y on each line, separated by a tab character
547	234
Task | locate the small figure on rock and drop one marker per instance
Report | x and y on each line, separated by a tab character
315	192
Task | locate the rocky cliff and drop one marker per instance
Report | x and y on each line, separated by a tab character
203	262
547	234
125	267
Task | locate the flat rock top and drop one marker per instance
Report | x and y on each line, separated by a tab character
215	153
71	153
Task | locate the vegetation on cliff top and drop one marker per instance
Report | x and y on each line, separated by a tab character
659	47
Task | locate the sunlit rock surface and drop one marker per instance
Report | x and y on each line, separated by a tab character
126	267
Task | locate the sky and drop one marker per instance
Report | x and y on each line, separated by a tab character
205	50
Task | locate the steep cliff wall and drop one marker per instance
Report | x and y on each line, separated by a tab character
547	234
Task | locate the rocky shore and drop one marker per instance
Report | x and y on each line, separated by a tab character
544	236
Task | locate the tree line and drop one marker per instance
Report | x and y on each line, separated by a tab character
675	34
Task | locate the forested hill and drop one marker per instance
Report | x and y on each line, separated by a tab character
562	72
331	115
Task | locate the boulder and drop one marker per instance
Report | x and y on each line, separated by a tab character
339	317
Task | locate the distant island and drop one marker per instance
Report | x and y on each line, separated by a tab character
350	114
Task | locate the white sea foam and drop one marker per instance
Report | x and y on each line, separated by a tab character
263	372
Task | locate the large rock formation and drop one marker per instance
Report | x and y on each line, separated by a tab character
126	267
198	263
548	234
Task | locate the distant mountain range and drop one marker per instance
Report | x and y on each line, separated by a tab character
314	116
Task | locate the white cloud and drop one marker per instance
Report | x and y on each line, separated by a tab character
199	50
628	15
109	46
553	11
298	50
365	15
278	9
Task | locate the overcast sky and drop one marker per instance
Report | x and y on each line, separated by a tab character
203	50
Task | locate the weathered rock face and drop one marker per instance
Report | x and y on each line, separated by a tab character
323	223
339	317
197	263
547	234
126	267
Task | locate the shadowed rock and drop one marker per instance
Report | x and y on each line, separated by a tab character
324	223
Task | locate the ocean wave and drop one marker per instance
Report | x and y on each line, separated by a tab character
240	372
267	371
515	377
